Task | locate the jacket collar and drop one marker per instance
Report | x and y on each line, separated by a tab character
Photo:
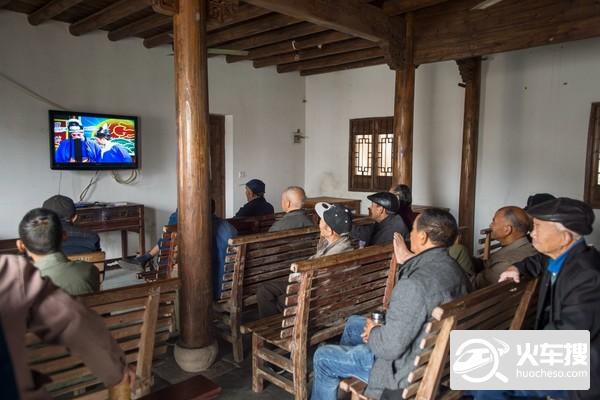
49	260
414	263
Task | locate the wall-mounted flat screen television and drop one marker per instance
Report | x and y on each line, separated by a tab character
86	141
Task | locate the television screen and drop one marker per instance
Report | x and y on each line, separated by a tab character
93	141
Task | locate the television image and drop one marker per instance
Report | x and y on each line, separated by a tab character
87	141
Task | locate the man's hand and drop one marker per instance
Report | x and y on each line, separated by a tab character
511	273
402	253
369	325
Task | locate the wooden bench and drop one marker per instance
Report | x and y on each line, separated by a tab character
96	257
166	262
506	305
251	225
488	244
321	295
251	261
8	246
140	318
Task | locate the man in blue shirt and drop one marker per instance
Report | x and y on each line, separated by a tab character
111	152
76	148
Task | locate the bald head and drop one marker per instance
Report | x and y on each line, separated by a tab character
292	198
509	224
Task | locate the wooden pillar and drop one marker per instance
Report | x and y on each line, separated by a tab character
470	72
194	225
404	100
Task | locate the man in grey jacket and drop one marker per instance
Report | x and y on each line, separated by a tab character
292	203
383	355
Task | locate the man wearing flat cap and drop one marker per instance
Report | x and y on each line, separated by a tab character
383	210
569	293
256	205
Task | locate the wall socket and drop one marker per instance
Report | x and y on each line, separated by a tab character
242	174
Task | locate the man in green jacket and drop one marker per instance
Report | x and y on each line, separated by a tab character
40	237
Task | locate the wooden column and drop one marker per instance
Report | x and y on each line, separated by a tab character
470	72
404	100
194	225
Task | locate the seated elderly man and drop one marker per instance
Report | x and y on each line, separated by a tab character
335	226
383	355
509	226
29	302
77	240
569	292
404	195
383	210
40	236
256	205
292	203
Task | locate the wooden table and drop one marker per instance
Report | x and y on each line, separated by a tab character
123	217
353	204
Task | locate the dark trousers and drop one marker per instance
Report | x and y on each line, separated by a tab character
270	297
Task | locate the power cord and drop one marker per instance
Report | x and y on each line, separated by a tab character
125	181
92	182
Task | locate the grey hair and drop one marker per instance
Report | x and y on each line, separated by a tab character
576	236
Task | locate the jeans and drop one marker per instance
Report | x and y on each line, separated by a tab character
351	358
507	394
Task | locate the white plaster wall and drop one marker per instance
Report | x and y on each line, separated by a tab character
534	122
90	73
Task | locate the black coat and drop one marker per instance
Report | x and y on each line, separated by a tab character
256	207
380	232
572	303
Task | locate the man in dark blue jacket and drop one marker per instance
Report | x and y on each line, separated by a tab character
256	205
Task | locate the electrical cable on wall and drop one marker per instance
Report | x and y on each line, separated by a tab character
127	181
92	182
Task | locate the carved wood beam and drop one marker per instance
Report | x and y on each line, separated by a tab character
469	69
165	7
316	52
107	15
49	10
397	7
358	19
329	61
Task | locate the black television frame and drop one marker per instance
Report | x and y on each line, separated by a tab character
93	166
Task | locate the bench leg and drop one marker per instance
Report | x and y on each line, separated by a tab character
257	362
300	376
236	337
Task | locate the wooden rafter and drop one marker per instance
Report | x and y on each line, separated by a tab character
316	52
250	28
343	67
279	35
142	25
107	15
315	40
158	40
330	61
50	10
397	7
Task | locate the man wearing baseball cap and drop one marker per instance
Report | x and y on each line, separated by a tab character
335	226
77	240
384	206
569	293
256	205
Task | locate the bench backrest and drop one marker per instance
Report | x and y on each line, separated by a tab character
258	258
8	246
488	245
95	257
251	225
140	318
506	305
322	293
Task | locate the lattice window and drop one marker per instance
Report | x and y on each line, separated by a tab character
370	154
592	170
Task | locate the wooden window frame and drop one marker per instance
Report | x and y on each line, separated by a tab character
592	188
373	126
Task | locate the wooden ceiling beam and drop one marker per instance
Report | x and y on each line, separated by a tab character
397	7
142	25
250	28
158	40
354	17
49	10
245	12
279	35
460	32
343	67
330	61
315	40
315	52
108	15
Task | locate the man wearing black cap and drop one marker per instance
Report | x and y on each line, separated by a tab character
111	152
335	226
569	294
383	210
256	205
77	240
